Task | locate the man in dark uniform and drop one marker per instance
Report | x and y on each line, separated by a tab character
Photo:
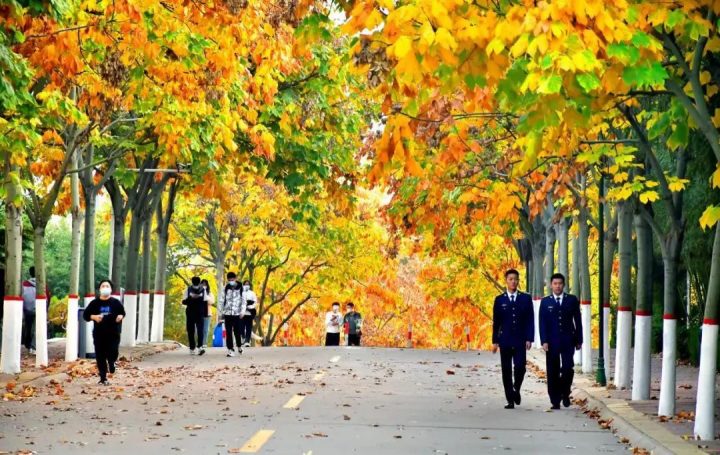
560	335
513	334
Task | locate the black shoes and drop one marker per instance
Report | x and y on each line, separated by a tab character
517	397
202	351
111	367
510	406
103	382
566	401
555	406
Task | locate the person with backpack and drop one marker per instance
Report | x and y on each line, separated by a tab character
233	310
247	320
107	314
352	322
196	308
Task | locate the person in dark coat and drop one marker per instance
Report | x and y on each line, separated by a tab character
513	334
107	314
195	300
560	335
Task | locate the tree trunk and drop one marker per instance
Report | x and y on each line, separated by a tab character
575	283
143	335
163	234
666	404
585	289
562	239
623	345
643	313
550	238
12	304
118	238
71	329
705	401
87	346
131	281
41	348
610	243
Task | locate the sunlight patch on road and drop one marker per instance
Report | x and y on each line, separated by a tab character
335	359
294	402
319	376
257	441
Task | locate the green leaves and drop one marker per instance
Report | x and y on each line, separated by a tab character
646	75
550	84
588	81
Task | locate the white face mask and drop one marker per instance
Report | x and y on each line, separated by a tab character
336	309
232	283
105	291
246	287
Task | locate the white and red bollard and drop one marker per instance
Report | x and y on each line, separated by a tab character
71	329
666	402
641	361
89	342
623	348
41	345
585	311
158	317
127	338
143	333
606	337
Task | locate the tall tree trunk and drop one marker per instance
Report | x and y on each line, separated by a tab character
575	283
71	329
118	227
610	243
643	313
585	290
163	234
671	256
562	239
538	253
623	345
12	304
143	335
90	196
705	401
41	348
550	237
131	280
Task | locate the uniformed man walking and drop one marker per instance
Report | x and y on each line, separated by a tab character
513	334
560	335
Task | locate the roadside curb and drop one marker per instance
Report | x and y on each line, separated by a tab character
42	378
634	426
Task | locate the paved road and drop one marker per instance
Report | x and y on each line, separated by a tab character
299	401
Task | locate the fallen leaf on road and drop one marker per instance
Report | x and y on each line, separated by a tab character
194	427
397	436
320	435
450	372
9	387
346	417
235	450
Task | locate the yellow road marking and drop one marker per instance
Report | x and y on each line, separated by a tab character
319	376
294	402
335	359
257	441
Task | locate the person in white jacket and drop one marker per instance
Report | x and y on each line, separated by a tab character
333	320
250	300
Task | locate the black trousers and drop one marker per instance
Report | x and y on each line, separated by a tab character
332	339
28	329
232	327
512	356
247	324
195	323
106	351
560	372
353	340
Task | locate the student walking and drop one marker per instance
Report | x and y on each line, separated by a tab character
332	326
247	320
107	314
233	310
560	335
196	309
352	322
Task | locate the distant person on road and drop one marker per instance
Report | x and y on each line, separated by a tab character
513	333
247	320
195	300
107	314
332	325
352	322
233	310
210	302
560	335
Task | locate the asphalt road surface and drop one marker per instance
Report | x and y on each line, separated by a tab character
299	401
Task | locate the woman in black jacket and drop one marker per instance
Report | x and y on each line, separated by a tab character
107	314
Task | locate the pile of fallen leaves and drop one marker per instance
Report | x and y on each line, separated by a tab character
537	371
11	394
680	417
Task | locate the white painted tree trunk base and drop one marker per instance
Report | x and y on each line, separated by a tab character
622	349
641	360
143	332
158	317
11	334
89	342
705	402
666	404
127	337
41	345
536	309
587	366
71	330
